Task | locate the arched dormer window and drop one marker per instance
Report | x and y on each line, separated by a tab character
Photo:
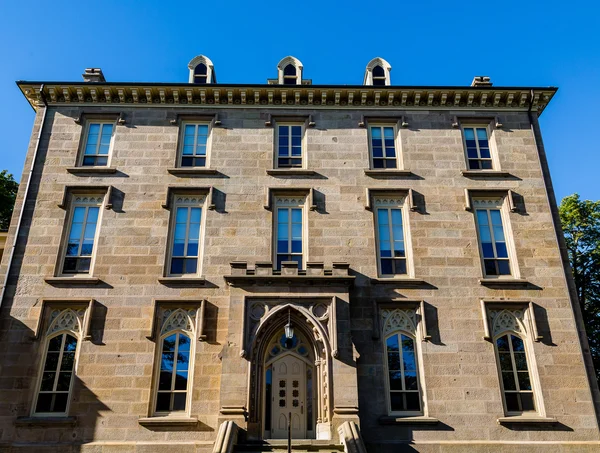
289	71
202	70
378	73
403	386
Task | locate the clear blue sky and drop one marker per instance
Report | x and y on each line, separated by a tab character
521	43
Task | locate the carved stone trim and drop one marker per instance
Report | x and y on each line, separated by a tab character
509	315
72	315
178	314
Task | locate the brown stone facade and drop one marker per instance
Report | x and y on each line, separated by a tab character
337	307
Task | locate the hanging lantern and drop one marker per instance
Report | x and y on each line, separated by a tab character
289	330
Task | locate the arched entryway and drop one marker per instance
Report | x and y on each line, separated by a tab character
289	377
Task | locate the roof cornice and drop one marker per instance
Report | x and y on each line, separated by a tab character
294	96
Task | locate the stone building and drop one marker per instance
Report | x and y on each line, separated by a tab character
198	263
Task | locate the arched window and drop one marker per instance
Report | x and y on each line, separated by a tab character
173	377
378	76
514	371
289	75
200	73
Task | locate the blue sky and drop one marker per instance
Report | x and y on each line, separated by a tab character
521	43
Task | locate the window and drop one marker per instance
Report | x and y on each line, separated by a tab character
58	365
82	232
98	143
401	364
289	145
492	241
200	73
510	327
383	146
185	232
477	147
391	239
515	382
289	231
378	76
289	75
175	357
194	145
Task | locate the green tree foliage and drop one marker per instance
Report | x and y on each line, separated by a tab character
8	195
581	225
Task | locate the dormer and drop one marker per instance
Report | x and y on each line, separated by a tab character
377	73
202	70
289	72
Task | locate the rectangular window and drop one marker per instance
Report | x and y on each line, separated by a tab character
289	233
382	141
98	144
194	145
289	146
391	239
185	241
492	240
83	226
477	147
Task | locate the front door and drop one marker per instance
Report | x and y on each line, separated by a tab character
289	386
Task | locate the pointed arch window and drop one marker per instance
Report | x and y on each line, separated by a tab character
289	75
58	366
200	73
379	78
174	362
403	381
377	73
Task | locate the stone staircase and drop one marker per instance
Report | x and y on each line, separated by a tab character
298	446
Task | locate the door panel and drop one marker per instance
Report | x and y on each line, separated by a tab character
289	384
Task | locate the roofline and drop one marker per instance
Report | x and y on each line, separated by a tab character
264	85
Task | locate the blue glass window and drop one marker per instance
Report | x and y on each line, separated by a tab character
97	145
403	375
80	243
186	240
173	377
515	382
383	147
57	375
289	236
194	146
493	242
477	148
391	244
289	146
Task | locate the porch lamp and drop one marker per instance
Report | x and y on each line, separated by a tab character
289	330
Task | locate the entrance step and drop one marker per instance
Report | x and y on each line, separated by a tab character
298	446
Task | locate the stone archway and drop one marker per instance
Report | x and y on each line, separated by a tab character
265	332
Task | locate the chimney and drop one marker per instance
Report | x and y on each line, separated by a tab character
481	81
93	75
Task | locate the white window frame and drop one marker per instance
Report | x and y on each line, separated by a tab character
303	157
87	201
500	203
290	202
521	327
412	328
189	201
397	144
182	144
394	202
68	329
489	129
101	122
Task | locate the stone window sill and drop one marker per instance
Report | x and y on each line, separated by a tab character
504	282
485	174
388	173
410	420
74	281
290	172
183	281
92	170
400	282
527	420
192	171
168	421
43	422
